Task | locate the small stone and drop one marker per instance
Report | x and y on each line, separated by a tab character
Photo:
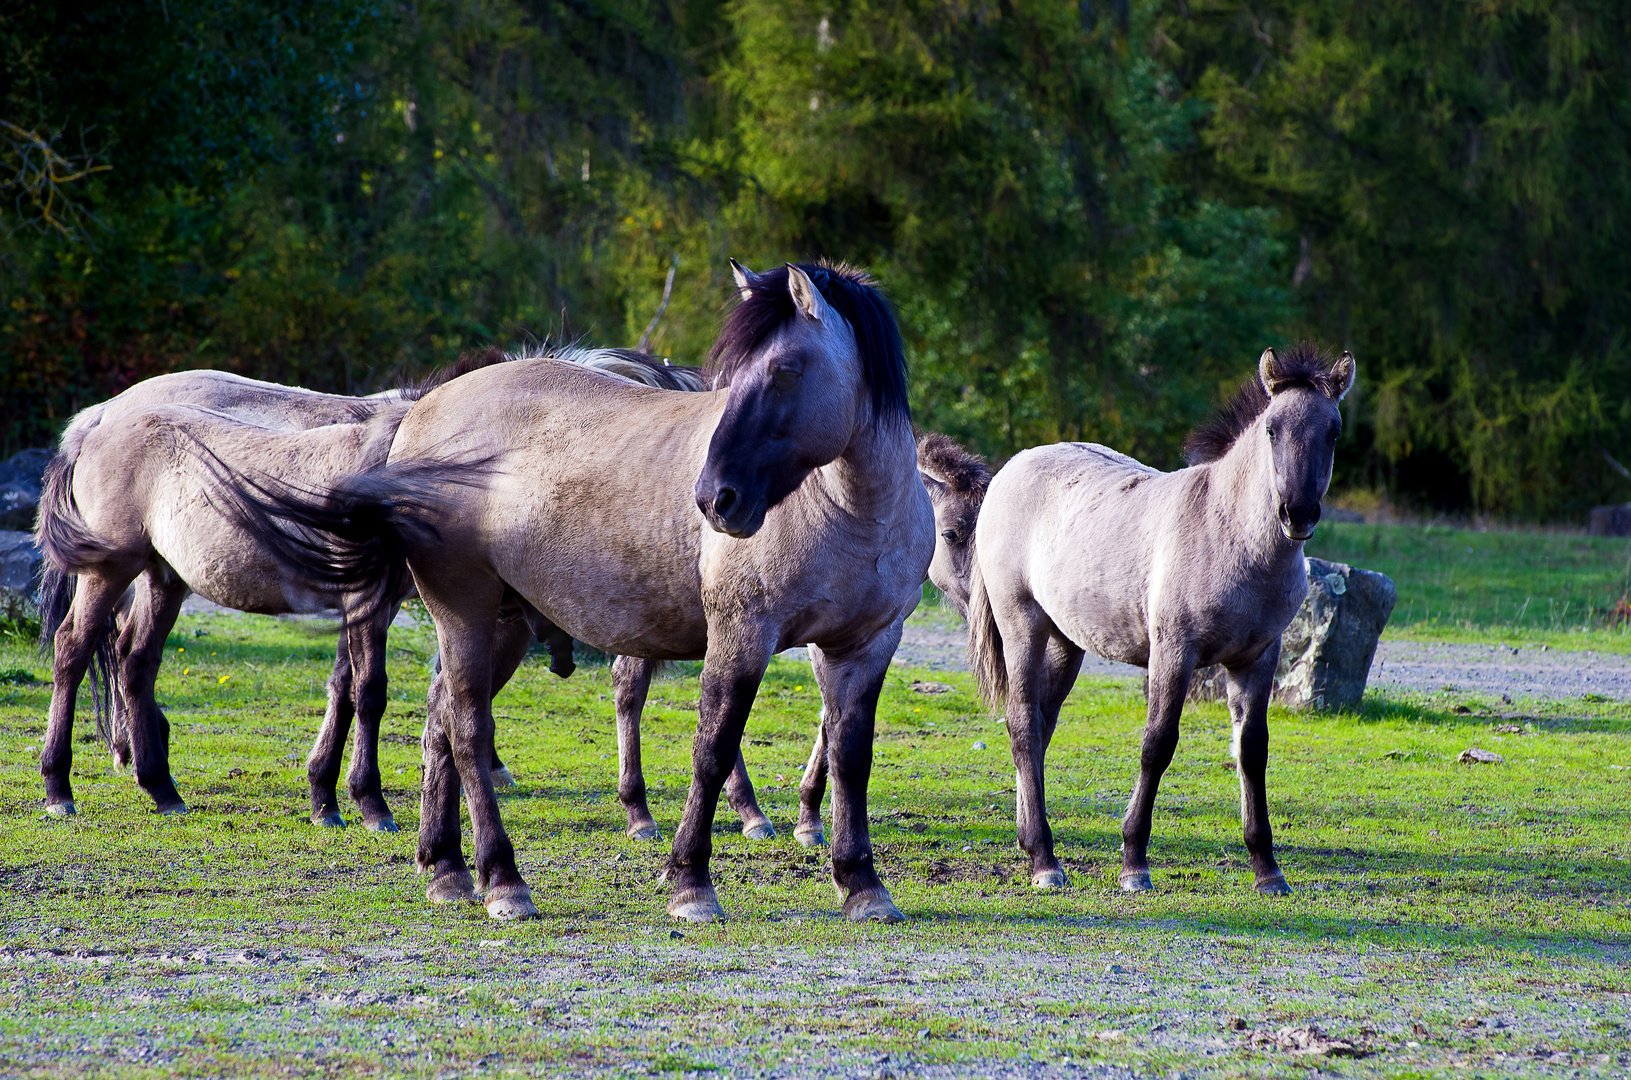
675	935
1474	756
921	687
978	746
1113	969
1237	1023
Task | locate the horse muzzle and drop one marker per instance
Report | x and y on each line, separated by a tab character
728	511
1298	524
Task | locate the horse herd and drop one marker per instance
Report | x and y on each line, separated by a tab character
776	498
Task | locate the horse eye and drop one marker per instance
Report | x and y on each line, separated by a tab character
1270	431
785	379
949	536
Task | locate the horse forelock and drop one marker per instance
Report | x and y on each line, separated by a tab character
849	291
1303	364
944	459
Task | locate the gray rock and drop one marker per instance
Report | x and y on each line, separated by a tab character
1326	652
1609	521
20	483
1474	756
20	566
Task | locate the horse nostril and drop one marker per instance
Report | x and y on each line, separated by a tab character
724	500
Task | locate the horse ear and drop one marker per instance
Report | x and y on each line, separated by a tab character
936	488
1341	377
806	297
744	279
1268	370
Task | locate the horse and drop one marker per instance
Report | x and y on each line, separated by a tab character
724	526
955	481
129	646
1079	547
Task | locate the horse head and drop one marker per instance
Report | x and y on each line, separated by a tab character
1301	424
956	481
810	355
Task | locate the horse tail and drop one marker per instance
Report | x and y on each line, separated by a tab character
60	531
354	538
985	657
69	546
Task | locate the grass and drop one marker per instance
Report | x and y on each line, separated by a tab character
1514	588
1447	917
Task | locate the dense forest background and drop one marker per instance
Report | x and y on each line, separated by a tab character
1092	215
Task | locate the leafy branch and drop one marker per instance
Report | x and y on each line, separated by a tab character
34	175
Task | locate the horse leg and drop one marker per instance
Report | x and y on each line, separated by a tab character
118	719
1061	664
1249	691
1027	633
140	653
514	639
468	635
631	679
441	850
850	684
365	641
74	644
729	684
739	793
1169	682
812	787
323	763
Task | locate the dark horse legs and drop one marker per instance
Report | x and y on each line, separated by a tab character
1169	683
1042	667
1249	690
138	654
631	678
356	688
850	683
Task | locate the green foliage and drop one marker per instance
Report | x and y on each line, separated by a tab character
1457	177
1092	217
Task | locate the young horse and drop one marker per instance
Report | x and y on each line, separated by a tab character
1079	547
956	481
807	525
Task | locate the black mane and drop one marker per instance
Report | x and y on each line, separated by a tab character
1303	364
474	360
854	295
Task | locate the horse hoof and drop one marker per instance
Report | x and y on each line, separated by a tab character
173	810
1135	881
763	830
62	809
872	905
696	905
385	824
329	821
502	777
644	832
809	835
1274	885
454	888
1049	879
510	904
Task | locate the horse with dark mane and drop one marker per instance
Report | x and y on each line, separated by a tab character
785	510
1079	547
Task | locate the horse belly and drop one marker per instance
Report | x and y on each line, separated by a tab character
219	562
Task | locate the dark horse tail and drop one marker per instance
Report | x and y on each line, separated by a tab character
985	657
354	539
69	547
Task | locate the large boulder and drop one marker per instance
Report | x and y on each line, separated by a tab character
1326	652
20	482
1609	521
20	566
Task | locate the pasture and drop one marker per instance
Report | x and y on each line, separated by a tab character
1447	919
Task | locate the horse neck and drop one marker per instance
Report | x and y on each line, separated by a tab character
868	478
1242	494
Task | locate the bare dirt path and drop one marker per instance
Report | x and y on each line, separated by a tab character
1410	666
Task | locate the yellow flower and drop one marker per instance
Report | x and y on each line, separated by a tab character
222	679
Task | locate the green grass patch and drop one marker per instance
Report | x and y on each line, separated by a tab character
241	940
1513	588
